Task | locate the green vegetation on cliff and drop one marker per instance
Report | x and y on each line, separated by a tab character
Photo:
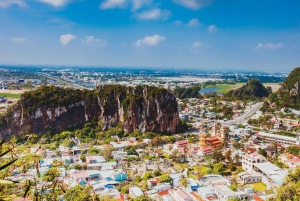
190	92
289	93
52	97
252	90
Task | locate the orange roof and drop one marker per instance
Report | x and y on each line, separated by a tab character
162	193
197	196
257	198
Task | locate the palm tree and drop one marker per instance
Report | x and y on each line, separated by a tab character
184	182
36	159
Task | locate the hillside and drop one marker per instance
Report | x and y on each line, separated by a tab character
288	94
144	108
189	92
251	90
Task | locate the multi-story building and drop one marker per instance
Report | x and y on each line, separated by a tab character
284	140
249	160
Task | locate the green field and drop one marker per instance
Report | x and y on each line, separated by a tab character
260	186
223	88
8	95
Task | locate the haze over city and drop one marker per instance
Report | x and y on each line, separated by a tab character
202	34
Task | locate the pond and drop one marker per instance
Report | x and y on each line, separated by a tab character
209	90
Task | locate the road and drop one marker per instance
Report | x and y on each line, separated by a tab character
244	117
76	86
239	120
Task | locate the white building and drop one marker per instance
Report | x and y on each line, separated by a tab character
284	140
248	161
135	192
181	195
224	193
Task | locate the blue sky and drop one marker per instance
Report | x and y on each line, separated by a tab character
202	34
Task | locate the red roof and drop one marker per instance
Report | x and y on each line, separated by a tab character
295	160
182	142
120	197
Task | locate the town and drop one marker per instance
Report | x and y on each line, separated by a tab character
232	150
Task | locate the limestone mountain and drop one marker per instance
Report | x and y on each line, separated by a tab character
289	93
144	108
252	89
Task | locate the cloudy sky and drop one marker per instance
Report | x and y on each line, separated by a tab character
203	34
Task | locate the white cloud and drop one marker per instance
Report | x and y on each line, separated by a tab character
8	3
92	39
65	39
270	46
197	44
150	40
212	28
110	4
19	40
137	4
193	4
194	23
56	3
154	14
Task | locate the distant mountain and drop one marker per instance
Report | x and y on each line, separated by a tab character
144	108
289	93
252	89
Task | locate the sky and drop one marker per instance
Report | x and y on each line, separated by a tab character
199	34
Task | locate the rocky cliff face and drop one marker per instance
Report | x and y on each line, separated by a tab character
148	109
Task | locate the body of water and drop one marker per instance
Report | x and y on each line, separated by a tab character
208	90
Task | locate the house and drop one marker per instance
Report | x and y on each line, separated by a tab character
193	185
214	141
119	176
181	143
224	193
214	180
152	182
205	151
180	195
66	159
248	161
162	187
290	160
135	192
119	154
248	178
95	159
207	192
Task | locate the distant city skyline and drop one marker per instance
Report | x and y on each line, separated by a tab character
193	34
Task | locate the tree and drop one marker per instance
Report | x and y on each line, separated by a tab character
289	190
295	150
262	152
165	178
234	199
228	154
237	159
78	193
147	176
217	155
184	182
219	168
209	162
143	198
107	154
199	172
